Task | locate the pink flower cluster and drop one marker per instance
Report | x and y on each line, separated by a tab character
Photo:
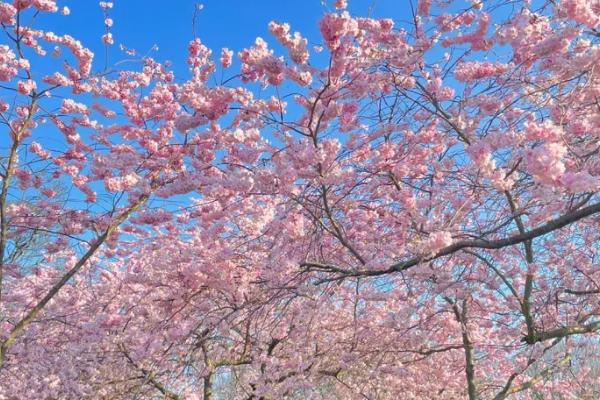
26	87
483	158
424	7
69	106
436	87
120	183
37	149
341	4
7	13
107	38
577	182
348	116
450	22
57	79
546	163
199	59
184	122
438	240
335	26
152	217
476	39
531	35
475	70
42	5
259	63
83	55
296	45
8	64
586	12
546	131
226	57
488	105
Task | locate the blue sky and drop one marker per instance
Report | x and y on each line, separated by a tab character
140	24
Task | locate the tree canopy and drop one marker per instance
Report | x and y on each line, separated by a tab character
395	210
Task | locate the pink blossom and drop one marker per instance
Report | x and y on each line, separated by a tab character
296	44
580	182
586	12
341	4
84	56
70	107
26	87
226	57
488	105
24	178
473	70
450	22
334	27
546	163
348	116
154	217
438	240
7	13
121	183
435	87
103	110
477	39
45	5
8	68
199	59
58	79
259	63
37	149
185	122
49	193
424	7
42	5
546	131
107	38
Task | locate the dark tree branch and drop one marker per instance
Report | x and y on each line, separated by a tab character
548	227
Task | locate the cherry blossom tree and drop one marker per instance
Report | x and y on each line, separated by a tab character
405	209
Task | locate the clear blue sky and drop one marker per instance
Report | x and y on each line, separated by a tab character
235	24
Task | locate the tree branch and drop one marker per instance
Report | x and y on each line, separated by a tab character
548	227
